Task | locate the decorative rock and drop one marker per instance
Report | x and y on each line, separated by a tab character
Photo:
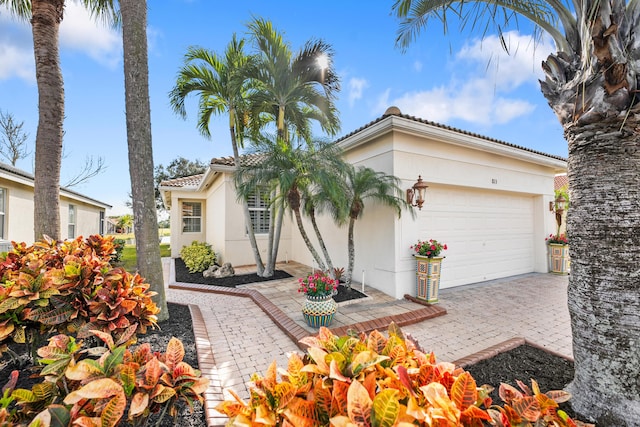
210	272
225	271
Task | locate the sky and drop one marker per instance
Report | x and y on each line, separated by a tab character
456	79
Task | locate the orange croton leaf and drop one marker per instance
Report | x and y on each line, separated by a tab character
138	404
508	393
98	389
464	392
153	371
301	413
385	409
174	354
113	410
437	396
359	404
560	396
527	407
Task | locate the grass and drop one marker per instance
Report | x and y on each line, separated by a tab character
129	259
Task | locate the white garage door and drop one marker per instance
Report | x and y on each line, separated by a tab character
489	233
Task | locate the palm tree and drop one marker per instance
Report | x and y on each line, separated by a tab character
222	87
363	183
138	115
45	17
293	90
591	84
292	172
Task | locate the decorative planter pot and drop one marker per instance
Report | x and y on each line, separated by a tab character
318	311
559	258
428	278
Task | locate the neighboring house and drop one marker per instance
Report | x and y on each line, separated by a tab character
79	215
488	200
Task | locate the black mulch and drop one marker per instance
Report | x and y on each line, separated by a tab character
524	363
347	294
183	275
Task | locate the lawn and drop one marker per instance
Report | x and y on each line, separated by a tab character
129	260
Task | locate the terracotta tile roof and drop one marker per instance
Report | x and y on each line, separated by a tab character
395	111
245	159
560	181
187	181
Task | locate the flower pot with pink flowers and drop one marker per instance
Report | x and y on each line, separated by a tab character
428	266
559	261
319	306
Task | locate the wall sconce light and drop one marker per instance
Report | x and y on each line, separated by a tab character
418	191
558	206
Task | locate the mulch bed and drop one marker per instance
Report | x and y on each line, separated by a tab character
524	363
183	275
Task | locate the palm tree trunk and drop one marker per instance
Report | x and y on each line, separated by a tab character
603	294
307	241
138	114
323	247
352	252
245	204
45	24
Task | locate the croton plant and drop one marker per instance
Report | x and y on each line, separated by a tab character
378	381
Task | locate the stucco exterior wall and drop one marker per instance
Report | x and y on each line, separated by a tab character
19	212
178	237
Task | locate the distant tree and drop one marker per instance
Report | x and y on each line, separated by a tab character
92	166
138	116
177	168
12	138
125	222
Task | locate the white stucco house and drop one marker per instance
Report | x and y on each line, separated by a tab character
79	215
488	200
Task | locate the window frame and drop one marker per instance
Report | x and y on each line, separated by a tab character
3	212
184	217
260	212
72	221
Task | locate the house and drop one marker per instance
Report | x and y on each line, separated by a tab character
79	215
487	199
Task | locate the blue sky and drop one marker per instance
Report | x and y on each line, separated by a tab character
454	79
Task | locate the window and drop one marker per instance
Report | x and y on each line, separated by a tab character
259	211
101	224
3	195
191	217
72	222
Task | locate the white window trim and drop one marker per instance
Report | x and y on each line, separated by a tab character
183	216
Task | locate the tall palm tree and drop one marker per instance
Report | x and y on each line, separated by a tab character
222	87
293	171
45	17
292	90
138	116
591	84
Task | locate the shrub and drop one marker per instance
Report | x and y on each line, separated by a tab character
118	246
70	287
198	256
377	381
96	387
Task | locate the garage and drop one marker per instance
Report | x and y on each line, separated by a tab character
490	234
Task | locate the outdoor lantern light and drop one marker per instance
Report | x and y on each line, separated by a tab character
418	190
558	206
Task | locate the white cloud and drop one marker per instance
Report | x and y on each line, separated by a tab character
482	91
356	87
417	66
79	31
16	48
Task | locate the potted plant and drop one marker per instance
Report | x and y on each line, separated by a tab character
428	264
558	253
319	306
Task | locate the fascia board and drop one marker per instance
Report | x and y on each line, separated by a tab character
424	130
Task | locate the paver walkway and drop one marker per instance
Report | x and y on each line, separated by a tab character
244	339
